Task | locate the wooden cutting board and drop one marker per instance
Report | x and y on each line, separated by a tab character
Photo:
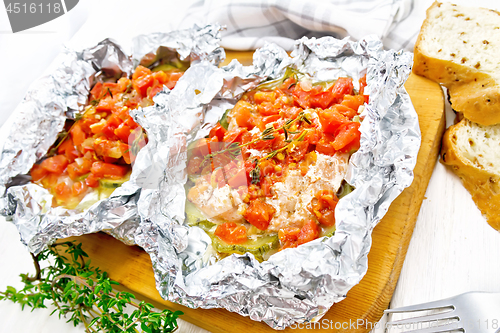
365	303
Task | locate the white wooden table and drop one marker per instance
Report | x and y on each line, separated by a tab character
453	249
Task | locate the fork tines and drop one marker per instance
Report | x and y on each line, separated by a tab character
433	320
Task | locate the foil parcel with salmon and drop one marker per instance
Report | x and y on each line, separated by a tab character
94	153
270	178
70	155
270	173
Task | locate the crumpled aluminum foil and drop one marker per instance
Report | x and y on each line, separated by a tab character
293	285
41	116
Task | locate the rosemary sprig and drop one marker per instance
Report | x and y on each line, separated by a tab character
84	294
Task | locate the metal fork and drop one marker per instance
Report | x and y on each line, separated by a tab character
472	312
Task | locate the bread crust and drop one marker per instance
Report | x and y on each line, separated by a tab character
472	92
483	186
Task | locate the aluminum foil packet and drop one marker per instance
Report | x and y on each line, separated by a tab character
41	116
294	285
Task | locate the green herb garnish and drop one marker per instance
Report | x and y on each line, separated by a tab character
84	294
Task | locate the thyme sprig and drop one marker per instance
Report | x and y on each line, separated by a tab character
289	145
267	134
85	294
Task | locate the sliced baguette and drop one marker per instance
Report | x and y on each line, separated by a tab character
459	47
473	152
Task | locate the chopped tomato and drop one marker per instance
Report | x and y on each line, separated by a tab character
231	233
79	188
351	147
108	170
154	89
109	148
331	119
112	123
77	134
38	172
106	104
55	164
128	157
267	167
353	102
267	109
140	71
309	232
288	83
321	100
313	136
343	86
194	165
292	237
123	84
240	179
200	148
234	135
172	80
79	168
249	166
259	214
92	181
264	96
65	145
271	119
345	110
301	96
346	134
63	191
87	122
218	131
298	150
242	113
101	137
288	237
291	112
323	207
160	76
324	145
265	185
95	93
123	132
68	149
362	86
142	83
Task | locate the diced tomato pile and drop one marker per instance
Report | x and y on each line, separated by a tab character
105	141
295	137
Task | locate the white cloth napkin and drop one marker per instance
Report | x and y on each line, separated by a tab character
251	23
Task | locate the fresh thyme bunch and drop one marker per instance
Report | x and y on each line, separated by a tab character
85	294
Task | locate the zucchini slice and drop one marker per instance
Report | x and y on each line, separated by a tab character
113	183
258	247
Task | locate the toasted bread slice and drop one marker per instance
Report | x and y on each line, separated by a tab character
473	152
459	47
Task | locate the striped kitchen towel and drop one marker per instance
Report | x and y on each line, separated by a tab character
251	23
